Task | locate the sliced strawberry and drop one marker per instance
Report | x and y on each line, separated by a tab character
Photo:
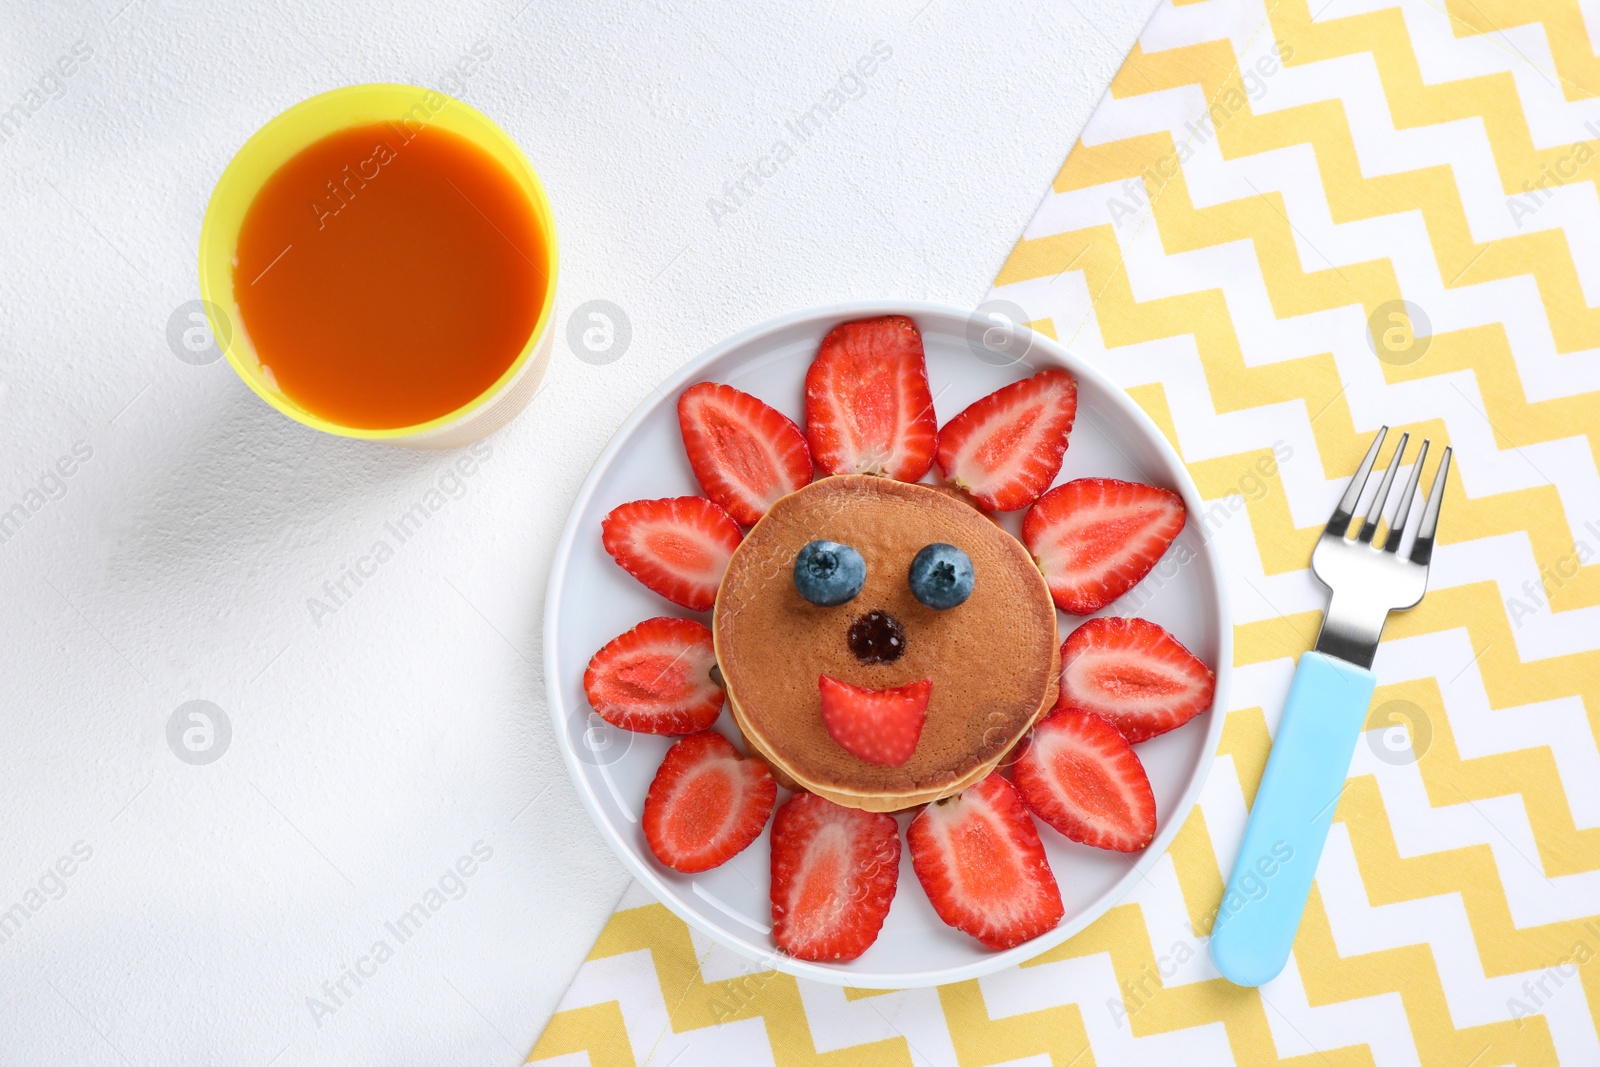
706	803
1134	675
979	859
833	877
678	547
1077	773
656	678
868	408
744	454
1096	538
879	725
1006	448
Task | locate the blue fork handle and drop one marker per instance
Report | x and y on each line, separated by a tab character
1289	820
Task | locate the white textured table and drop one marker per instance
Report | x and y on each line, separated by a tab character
174	532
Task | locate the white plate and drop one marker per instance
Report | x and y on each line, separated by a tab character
592	600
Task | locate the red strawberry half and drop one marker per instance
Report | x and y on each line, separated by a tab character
1134	675
745	454
1077	773
981	863
1096	538
706	803
879	725
656	678
678	547
1006	448
833	877
868	408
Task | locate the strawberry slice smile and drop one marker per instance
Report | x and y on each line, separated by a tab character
881	726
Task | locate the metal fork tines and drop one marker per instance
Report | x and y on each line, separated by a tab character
1367	580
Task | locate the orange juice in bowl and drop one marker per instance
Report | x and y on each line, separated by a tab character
386	259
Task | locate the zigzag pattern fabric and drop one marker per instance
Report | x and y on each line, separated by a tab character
1284	226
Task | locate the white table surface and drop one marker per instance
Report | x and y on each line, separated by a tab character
374	746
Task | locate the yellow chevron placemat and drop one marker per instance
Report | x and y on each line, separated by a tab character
1284	226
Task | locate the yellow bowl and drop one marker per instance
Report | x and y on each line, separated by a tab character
284	137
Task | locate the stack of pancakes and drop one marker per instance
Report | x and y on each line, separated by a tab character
994	660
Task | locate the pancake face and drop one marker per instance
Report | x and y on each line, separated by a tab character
993	660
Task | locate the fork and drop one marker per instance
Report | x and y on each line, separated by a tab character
1327	706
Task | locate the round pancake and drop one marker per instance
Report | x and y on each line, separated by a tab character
994	660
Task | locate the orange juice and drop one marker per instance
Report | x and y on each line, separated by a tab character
388	274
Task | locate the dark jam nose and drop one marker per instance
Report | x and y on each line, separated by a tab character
877	637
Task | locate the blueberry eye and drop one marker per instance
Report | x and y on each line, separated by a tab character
829	574
941	576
